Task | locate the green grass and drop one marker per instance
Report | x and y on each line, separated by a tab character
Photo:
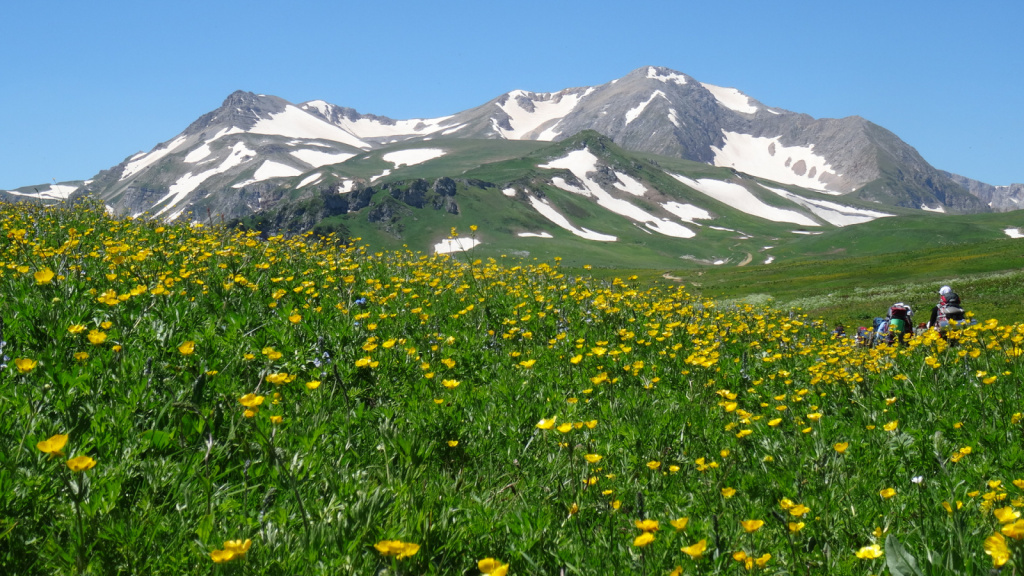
317	400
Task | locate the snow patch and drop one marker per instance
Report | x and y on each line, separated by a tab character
412	156
940	208
806	233
190	181
583	162
54	192
146	160
731	98
318	158
510	192
741	199
560	182
673	117
548	110
769	260
548	211
198	154
314	177
634	113
534	235
653	74
1013	232
769	159
449	245
687	212
834	214
297	123
629	184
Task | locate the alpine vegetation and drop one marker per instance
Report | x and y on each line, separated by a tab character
190	399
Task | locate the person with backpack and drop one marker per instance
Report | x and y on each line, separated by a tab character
948	308
900	323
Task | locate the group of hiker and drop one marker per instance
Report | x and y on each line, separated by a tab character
898	323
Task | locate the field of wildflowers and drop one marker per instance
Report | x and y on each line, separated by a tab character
193	400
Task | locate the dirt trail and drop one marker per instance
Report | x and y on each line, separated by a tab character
746	260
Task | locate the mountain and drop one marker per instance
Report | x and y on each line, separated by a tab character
257	151
998	198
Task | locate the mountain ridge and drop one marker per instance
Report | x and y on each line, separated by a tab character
254	139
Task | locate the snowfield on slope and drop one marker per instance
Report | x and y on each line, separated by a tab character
297	123
741	199
583	162
767	158
731	98
548	110
834	214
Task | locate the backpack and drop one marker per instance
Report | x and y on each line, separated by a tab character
900	316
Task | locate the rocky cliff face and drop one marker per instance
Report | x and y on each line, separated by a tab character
998	198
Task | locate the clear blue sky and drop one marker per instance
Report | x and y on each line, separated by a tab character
85	84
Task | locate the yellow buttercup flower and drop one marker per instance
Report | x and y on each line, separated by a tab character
547	423
995	546
887	493
679	523
643	539
696	550
869	552
44	276
187	347
54	445
841	446
647	525
397	548
25	365
81	463
592	458
492	567
751	525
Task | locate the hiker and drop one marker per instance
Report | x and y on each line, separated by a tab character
900	323
948	308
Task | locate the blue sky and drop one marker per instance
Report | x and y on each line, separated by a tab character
85	84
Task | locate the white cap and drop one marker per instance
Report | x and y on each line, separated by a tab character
945	291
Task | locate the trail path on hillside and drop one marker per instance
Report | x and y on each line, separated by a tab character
746	260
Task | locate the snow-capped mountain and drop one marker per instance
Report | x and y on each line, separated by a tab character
242	151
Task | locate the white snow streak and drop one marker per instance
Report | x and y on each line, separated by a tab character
741	199
547	211
634	113
731	98
510	192
54	192
147	160
939	208
534	235
310	179
189	182
583	162
1013	232
834	214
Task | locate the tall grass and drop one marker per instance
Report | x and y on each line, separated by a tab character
287	406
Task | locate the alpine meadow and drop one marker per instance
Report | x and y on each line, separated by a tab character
190	398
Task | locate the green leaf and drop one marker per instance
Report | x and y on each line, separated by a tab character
898	560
